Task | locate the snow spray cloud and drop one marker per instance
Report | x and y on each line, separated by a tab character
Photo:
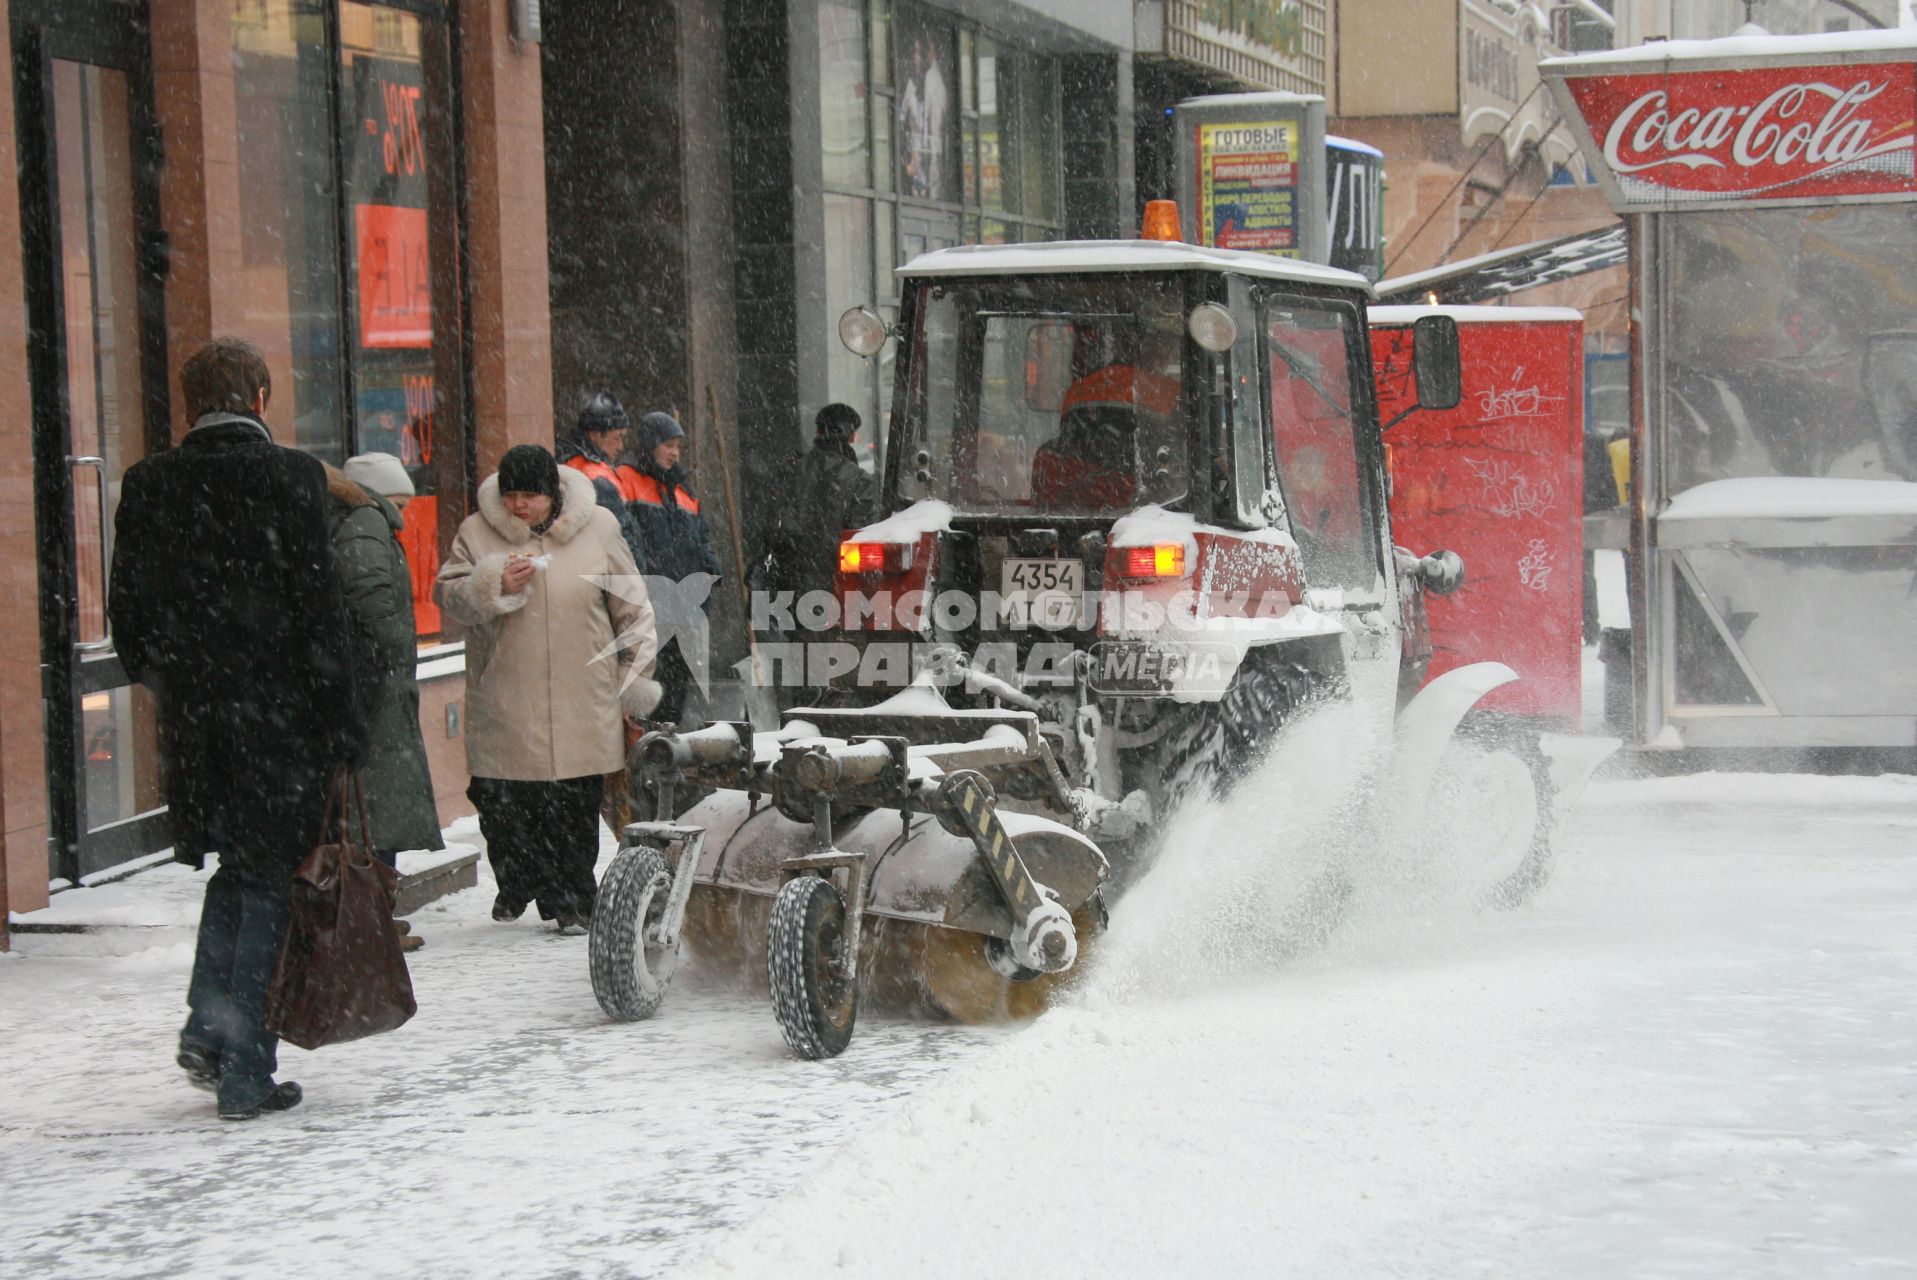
1309	862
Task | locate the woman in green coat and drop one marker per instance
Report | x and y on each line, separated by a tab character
379	596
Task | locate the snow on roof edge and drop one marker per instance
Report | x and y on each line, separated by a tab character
1352	144
1410	312
1273	98
1118	255
1740	47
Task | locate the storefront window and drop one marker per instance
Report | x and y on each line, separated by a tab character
289	216
921	120
342	223
842	96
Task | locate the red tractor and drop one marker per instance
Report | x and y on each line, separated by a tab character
1138	518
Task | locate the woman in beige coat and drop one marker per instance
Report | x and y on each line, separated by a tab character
559	643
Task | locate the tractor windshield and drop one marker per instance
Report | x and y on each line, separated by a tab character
1056	396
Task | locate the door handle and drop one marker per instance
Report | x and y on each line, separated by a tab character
105	643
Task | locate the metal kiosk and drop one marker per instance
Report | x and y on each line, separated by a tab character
1768	190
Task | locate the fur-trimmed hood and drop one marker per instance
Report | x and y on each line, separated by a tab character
577	502
348	495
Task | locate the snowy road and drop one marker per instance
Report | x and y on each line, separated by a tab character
1695	1054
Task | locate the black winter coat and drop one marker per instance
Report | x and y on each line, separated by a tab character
224	604
674	539
833	495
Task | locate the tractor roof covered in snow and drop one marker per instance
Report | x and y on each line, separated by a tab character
1119	255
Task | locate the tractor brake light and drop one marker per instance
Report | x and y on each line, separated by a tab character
875	557
1165	560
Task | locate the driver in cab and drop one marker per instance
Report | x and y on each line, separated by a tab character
1093	461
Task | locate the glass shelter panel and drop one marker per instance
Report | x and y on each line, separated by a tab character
1788	345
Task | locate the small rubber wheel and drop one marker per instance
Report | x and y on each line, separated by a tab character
807	954
630	969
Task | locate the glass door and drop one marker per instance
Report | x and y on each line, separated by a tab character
87	164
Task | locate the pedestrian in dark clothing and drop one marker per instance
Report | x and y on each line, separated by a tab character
674	540
365	525
224	603
598	437
833	494
559	640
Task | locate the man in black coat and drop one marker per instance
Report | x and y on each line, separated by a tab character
224	603
833	495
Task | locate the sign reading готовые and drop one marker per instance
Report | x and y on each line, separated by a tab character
1761	133
1248	185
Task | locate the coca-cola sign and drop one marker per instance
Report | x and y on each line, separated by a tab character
1765	133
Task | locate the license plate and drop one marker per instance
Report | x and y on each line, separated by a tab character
1042	593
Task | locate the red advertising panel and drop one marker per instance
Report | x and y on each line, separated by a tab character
395	281
1681	136
1499	480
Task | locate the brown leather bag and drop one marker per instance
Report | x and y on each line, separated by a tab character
341	973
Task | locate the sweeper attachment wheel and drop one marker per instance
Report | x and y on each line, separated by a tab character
639	918
811	967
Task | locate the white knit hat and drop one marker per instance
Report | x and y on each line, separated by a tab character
379	473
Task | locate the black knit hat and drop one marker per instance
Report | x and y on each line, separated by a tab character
528	468
603	412
656	428
840	421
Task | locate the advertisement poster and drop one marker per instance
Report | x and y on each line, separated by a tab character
1248	186
928	124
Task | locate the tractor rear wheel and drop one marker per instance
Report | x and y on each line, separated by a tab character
808	963
630	969
1214	744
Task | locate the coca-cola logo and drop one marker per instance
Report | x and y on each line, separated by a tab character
1815	124
1771	131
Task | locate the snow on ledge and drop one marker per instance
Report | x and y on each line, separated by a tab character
1740	46
1793	497
928	515
1411	314
1151	524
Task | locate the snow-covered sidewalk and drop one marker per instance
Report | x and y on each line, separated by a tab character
1694	1054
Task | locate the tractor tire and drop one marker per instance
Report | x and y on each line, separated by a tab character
630	971
807	954
1498	735
1217	743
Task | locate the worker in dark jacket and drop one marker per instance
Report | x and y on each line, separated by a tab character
364	521
674	540
224	603
833	495
598	437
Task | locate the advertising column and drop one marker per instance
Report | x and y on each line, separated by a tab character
1251	173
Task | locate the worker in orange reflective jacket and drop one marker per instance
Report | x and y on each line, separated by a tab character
674	539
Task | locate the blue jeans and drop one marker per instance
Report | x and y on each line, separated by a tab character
242	924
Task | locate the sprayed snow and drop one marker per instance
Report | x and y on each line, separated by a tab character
1406	315
1792	497
928	515
1690	1057
1752	47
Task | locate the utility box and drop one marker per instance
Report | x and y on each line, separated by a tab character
1500	480
1251	173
